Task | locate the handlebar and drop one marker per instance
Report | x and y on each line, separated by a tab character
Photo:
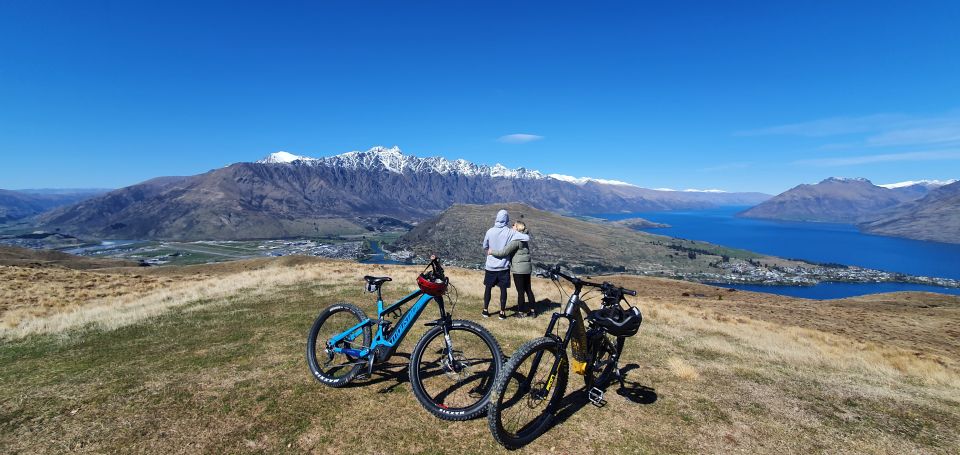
607	288
435	265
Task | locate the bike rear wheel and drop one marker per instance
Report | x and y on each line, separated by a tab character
604	355
336	369
453	379
526	394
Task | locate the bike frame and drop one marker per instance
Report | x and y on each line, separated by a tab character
390	338
573	304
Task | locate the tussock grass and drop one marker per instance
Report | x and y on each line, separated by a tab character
216	365
144	297
681	369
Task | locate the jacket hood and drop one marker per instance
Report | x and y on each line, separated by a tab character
502	219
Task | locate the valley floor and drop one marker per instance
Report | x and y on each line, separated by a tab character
210	359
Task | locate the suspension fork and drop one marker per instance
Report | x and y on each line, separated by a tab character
446	322
573	304
538	357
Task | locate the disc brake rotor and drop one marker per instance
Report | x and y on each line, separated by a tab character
538	393
458	369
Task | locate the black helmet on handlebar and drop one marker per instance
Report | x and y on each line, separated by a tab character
617	321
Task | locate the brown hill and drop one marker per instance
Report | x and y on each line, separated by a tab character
26	257
833	200
457	234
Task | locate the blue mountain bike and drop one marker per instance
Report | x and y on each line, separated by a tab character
452	368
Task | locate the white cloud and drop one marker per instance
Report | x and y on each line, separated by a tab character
519	138
944	133
832	126
935	155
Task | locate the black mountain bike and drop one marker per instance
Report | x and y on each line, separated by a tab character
531	385
452	367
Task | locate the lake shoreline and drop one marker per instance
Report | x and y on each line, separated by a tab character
855	259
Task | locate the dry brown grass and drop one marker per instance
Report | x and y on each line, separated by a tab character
54	300
27	293
681	369
738	375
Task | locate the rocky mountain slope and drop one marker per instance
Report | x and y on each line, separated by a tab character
836	200
287	195
935	217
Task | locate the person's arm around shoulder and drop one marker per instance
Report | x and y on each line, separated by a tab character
511	248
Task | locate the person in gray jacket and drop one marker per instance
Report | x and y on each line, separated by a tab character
518	251
497	269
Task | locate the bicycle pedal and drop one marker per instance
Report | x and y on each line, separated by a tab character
595	396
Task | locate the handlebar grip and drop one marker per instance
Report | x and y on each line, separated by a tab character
630	293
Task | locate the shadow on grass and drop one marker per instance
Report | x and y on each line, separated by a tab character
634	391
630	390
542	306
385	372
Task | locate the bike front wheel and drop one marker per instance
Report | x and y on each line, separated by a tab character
328	363
453	376
528	392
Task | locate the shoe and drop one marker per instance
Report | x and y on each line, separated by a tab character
502	316
532	314
485	314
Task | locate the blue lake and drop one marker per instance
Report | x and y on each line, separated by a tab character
379	256
827	290
819	242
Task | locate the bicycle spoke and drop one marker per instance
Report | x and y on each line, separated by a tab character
458	382
525	399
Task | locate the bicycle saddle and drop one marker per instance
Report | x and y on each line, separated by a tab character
377	280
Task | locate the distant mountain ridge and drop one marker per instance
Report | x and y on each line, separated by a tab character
935	217
393	160
286	195
19	204
930	184
835	200
924	210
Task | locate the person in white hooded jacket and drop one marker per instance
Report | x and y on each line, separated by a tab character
518	251
497	269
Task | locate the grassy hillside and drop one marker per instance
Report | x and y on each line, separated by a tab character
458	232
215	365
27	257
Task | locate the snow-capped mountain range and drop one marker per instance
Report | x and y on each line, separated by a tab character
926	183
288	195
394	160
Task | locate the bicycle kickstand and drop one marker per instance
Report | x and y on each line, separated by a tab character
620	376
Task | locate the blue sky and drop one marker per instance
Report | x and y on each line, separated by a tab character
733	95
